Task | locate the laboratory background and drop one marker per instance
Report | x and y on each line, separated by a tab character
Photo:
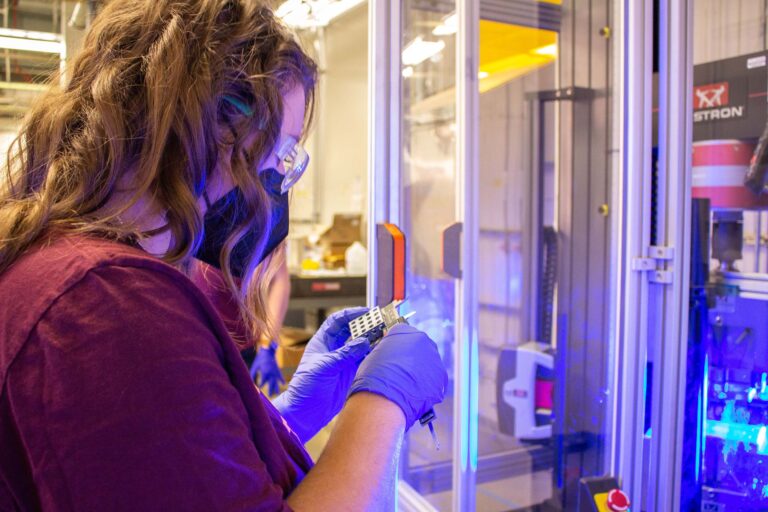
568	197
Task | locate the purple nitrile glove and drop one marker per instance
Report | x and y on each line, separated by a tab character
265	365
405	368
319	387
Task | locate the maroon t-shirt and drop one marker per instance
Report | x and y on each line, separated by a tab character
122	390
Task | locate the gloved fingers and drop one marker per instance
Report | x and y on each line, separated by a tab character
347	315
272	379
339	321
335	330
406	368
356	349
352	353
273	387
407	331
402	329
254	370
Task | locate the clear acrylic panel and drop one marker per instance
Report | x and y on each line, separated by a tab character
544	356
725	449
428	132
543	353
517	164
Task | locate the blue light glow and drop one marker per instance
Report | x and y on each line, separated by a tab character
466	391
705	406
700	413
734	434
474	378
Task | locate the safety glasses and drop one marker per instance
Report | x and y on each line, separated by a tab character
295	160
294	157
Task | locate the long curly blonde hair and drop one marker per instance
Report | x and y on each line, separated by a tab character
144	100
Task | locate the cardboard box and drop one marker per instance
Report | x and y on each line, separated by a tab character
290	349
345	230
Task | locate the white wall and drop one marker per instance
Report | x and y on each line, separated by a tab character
337	176
6	137
729	28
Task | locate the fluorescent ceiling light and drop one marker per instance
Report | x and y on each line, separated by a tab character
448	26
549	50
313	13
287	7
298	17
419	50
30	45
26	34
42	42
329	10
407	72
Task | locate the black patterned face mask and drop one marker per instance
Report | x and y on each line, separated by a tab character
223	217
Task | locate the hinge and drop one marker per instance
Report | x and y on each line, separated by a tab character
661	253
661	276
643	264
656	257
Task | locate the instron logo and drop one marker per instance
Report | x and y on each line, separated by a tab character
711	102
710	96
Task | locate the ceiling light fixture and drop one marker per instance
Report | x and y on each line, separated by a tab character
550	50
419	50
313	13
449	25
22	40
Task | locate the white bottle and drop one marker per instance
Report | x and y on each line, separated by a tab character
356	258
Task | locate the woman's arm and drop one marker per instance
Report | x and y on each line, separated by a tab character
358	468
277	301
401	379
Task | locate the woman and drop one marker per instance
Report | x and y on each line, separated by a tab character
177	138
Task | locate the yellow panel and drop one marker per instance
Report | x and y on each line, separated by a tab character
506	52
601	501
509	51
500	41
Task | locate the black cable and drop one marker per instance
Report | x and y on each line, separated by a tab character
548	283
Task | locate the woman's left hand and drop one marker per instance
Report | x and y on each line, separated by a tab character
319	387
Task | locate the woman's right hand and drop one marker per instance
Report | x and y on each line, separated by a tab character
404	367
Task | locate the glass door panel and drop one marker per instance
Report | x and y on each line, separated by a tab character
544	239
725	446
428	197
543	351
517	178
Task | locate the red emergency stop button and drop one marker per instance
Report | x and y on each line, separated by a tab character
618	501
